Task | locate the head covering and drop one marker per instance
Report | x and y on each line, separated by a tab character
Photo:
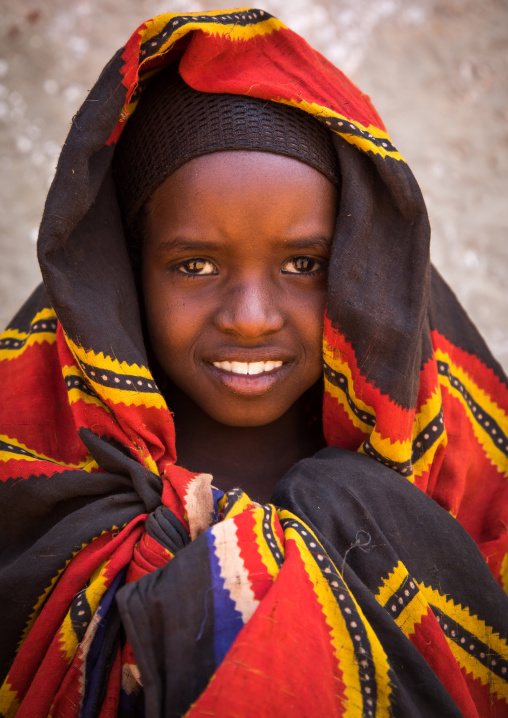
92	497
174	123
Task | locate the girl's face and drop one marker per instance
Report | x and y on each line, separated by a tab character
234	279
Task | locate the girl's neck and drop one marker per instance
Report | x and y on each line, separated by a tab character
251	458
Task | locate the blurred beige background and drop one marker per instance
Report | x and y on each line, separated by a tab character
435	69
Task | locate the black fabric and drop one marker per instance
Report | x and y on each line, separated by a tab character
448	317
377	298
340	493
177	660
368	518
43	525
173	124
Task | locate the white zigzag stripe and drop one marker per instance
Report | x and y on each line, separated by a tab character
232	569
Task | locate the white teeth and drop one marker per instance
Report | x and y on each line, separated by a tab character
240	367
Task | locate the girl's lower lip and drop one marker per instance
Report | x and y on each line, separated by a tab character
248	384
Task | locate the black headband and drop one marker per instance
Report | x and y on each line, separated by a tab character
173	123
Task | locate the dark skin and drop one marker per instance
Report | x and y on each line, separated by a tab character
234	283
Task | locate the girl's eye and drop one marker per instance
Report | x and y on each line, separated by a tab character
303	265
201	267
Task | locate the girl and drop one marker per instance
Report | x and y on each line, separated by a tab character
236	275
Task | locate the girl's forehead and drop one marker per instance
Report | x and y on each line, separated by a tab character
235	175
242	197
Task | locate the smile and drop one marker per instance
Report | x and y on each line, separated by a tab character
238	367
249	379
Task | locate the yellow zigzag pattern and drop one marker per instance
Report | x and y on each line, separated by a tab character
243	503
98	584
392	583
364	143
341	399
485	438
477	628
392	451
75	394
340	636
236	32
44	595
28	338
427	412
414	611
337	364
260	517
9	703
417	608
6	455
231	29
117	395
275	517
504	573
40	602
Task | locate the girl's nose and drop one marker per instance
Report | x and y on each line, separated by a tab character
251	309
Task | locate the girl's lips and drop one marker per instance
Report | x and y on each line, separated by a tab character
245	377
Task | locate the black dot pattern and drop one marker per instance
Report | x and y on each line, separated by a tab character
80	614
40	327
482	418
13	449
340	381
232	497
269	537
401	598
127	382
75	382
344	127
250	17
470	643
427	437
422	443
354	623
403	467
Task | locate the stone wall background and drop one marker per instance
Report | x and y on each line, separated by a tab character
435	69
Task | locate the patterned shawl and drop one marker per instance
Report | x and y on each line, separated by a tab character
355	593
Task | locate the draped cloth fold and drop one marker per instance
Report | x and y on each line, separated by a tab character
357	583
373	582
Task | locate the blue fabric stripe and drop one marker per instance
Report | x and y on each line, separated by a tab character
95	675
217	495
228	621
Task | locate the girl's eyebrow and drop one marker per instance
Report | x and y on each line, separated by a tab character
185	244
177	245
318	241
